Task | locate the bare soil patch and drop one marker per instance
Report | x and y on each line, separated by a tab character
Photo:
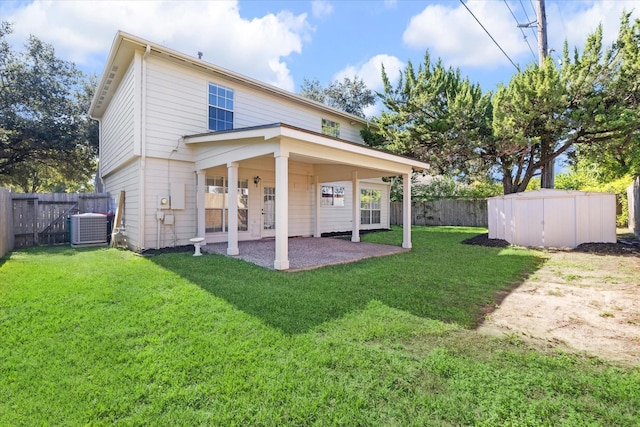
585	300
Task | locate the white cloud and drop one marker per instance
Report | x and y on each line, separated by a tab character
321	8
577	20
371	74
390	4
371	71
453	34
83	31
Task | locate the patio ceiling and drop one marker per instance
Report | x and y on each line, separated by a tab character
333	159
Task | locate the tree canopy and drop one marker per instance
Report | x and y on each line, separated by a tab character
588	106
608	125
350	96
435	115
46	138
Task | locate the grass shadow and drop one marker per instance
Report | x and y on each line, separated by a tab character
440	278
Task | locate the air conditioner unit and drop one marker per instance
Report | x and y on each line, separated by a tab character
88	229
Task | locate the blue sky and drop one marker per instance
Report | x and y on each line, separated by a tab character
283	42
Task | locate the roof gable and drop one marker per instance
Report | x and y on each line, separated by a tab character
122	53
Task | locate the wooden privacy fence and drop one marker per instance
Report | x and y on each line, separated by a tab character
6	222
471	213
41	219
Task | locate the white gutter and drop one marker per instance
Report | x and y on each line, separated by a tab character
143	149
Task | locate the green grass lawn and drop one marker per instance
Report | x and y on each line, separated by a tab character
102	337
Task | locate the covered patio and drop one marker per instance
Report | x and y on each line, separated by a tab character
306	253
279	146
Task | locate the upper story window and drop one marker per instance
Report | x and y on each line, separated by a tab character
220	107
330	128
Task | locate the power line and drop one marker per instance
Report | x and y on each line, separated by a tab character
489	34
561	20
521	30
529	20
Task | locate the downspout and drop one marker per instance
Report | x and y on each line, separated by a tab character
143	146
99	171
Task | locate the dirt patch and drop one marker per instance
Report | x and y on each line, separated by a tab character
585	300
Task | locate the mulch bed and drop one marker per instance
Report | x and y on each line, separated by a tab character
622	247
170	250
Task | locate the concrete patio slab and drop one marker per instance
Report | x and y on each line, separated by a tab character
307	252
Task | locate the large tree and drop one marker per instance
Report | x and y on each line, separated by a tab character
45	134
610	131
435	115
528	122
590	104
349	95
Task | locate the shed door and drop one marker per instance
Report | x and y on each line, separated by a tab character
559	222
530	222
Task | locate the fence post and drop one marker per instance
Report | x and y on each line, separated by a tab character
35	221
6	222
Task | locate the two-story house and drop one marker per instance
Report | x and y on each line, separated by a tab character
202	151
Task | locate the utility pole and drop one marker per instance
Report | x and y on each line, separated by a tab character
547	174
542	31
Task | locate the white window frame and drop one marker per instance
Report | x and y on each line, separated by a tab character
223	103
331	128
370	206
332	196
212	182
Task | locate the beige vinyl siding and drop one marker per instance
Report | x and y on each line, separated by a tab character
300	199
117	140
339	218
177	105
160	174
126	179
255	108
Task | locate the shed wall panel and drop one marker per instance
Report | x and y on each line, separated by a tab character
553	218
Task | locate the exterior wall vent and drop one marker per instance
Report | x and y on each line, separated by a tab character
88	229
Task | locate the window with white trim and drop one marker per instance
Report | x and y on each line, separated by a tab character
332	196
370	204
220	107
216	203
330	128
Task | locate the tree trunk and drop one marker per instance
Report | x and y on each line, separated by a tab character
547	175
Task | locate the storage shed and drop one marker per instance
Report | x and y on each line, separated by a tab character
553	218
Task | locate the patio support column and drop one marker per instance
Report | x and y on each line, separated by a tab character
355	207
232	225
200	205
316	206
406	210
282	211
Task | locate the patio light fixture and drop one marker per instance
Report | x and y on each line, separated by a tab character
256	180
